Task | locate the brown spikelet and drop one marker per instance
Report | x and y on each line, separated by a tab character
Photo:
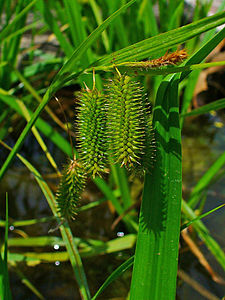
169	59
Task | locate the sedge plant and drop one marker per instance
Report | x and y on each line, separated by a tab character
149	140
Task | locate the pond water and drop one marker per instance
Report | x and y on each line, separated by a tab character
203	142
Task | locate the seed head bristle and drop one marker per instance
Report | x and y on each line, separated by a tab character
91	133
72	184
125	122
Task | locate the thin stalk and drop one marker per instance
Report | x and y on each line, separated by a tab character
38	137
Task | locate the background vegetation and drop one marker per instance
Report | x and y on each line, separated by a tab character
48	51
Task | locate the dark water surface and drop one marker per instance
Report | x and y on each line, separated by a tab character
56	281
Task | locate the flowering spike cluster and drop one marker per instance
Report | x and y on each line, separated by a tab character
92	131
71	186
125	120
119	122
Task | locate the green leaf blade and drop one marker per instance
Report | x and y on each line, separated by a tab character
154	46
155	265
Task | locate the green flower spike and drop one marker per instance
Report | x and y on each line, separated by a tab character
71	186
91	133
126	120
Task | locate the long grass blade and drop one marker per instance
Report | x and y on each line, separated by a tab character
38	137
28	284
36	96
114	275
159	221
156	45
69	67
41	125
118	207
205	235
121	181
215	105
27	222
142	68
205	181
53	25
6	31
5	292
200	217
98	17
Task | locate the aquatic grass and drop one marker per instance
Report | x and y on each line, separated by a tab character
28	284
10	49
10	26
44	127
199	227
75	66
36	96
38	137
144	68
164	198
118	32
64	229
114	275
151	47
121	181
58	82
87	247
207	24
204	234
5	292
147	16
202	185
186	225
158	235
97	13
52	24
107	191
207	108
17	223
192	80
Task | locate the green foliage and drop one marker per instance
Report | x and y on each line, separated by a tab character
130	33
72	184
91	133
215	105
5	293
158	235
64	229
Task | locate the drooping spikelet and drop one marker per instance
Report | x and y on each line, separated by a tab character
71	186
91	134
126	128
